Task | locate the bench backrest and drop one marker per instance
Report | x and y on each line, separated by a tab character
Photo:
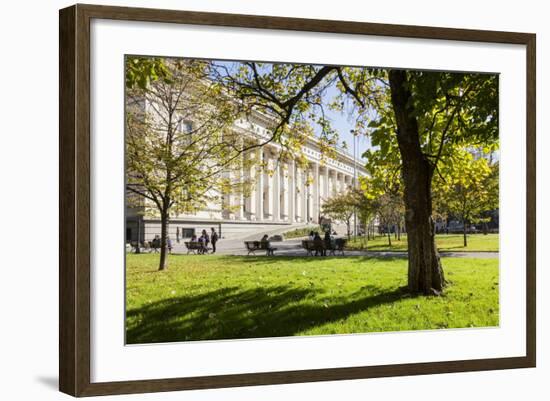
193	245
313	244
253	245
339	243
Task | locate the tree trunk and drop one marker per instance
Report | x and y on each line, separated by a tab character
465	234
389	235
425	273
367	229
163	235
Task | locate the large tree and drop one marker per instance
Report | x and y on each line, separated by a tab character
428	116
181	152
423	115
468	189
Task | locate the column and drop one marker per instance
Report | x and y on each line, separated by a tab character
305	195
345	183
267	187
276	192
259	184
327	183
239	197
283	190
315	194
227	199
251	177
299	193
291	191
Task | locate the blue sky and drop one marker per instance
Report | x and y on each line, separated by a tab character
340	121
343	122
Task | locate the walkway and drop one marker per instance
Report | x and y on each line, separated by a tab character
293	247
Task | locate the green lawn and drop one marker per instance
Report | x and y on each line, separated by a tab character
445	242
221	297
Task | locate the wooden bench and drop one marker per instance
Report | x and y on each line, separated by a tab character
317	246
320	246
195	247
154	246
253	246
338	245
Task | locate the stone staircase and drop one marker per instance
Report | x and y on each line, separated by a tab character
258	233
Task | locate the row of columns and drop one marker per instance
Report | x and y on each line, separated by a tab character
283	192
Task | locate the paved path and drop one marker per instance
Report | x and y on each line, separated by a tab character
292	247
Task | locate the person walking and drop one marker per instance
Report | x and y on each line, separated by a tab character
206	240
202	247
169	244
213	239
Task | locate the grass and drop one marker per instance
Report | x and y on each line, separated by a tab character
204	297
445	242
300	232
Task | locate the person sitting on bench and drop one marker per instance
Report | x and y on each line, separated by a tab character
319	245
264	243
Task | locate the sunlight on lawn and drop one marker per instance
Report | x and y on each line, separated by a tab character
445	242
223	297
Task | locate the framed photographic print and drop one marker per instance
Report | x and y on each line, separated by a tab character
250	200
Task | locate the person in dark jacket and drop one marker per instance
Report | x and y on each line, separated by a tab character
204	240
319	245
213	239
328	241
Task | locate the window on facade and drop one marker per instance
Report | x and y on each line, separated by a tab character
187	232
185	126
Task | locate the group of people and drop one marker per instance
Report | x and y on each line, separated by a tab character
204	240
326	240
155	244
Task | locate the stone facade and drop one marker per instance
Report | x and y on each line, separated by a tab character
284	194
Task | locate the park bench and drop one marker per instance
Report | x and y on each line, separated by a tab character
136	247
338	245
154	246
253	246
195	247
320	246
317	246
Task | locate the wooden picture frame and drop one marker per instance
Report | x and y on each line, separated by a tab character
74	203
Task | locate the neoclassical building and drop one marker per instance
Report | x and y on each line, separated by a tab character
283	195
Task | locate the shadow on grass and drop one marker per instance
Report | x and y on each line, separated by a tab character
270	260
231	313
385	258
447	247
